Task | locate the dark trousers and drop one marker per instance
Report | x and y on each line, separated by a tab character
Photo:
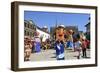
84	52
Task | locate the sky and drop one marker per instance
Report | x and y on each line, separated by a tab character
50	19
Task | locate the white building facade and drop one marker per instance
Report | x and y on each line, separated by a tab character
43	35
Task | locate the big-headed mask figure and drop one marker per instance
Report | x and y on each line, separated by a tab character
60	33
59	46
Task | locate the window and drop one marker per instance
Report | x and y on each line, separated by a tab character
31	27
25	33
28	26
25	25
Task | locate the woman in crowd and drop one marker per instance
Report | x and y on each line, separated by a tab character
27	49
84	47
77	46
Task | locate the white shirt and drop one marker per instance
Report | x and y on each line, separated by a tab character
78	45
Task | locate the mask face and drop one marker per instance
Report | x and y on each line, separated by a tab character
60	34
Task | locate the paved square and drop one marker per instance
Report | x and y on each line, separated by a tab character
49	55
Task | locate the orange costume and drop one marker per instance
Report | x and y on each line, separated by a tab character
60	33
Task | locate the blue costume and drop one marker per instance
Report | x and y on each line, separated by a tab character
38	47
70	44
37	44
59	51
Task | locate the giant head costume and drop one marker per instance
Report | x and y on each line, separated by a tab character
60	33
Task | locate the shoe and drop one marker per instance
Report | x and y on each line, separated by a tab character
78	57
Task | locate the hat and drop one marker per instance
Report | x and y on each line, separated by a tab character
45	27
61	26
